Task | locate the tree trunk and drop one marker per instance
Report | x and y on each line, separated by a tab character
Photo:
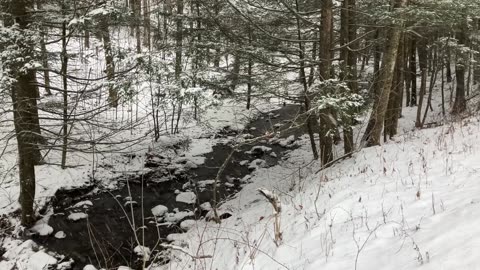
413	71
460	104
109	64
43	50
179	39
423	62
394	102
327	130
65	95
385	80
25	118
249	71
348	57
146	24
310	121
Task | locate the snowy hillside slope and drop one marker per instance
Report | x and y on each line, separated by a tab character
412	203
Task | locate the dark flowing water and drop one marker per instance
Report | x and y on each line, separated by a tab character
106	238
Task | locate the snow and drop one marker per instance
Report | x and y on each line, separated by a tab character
257	164
287	141
77	216
143	252
84	204
40	261
175	217
409	204
260	149
42	229
206	206
159	210
187	224
60	235
186	197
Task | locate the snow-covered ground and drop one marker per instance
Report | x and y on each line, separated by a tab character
412	203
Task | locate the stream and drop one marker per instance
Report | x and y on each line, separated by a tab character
97	223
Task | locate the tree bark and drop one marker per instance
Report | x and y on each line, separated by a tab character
327	130
24	99
460	104
385	80
110	64
423	62
413	71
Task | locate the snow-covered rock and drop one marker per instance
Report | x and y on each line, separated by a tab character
175	237
287	142
41	261
175	217
256	164
204	183
186	197
143	252
243	162
77	216
60	235
206	206
259	150
89	267
16	248
83	204
42	229
187	224
159	210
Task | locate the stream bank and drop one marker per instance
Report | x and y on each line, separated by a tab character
95	226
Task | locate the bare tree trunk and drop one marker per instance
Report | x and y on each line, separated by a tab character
179	40
25	118
406	73
43	49
65	95
138	33
326	132
385	79
348	57
394	103
110	65
249	71
460	104
423	61
310	121
146	24
413	71
433	79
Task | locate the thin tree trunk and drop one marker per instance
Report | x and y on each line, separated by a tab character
327	130
146	24
179	39
460	104
433	79
43	49
110	65
249	71
423	62
310	120
65	95
385	79
413	72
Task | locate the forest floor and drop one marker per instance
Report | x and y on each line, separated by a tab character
410	203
